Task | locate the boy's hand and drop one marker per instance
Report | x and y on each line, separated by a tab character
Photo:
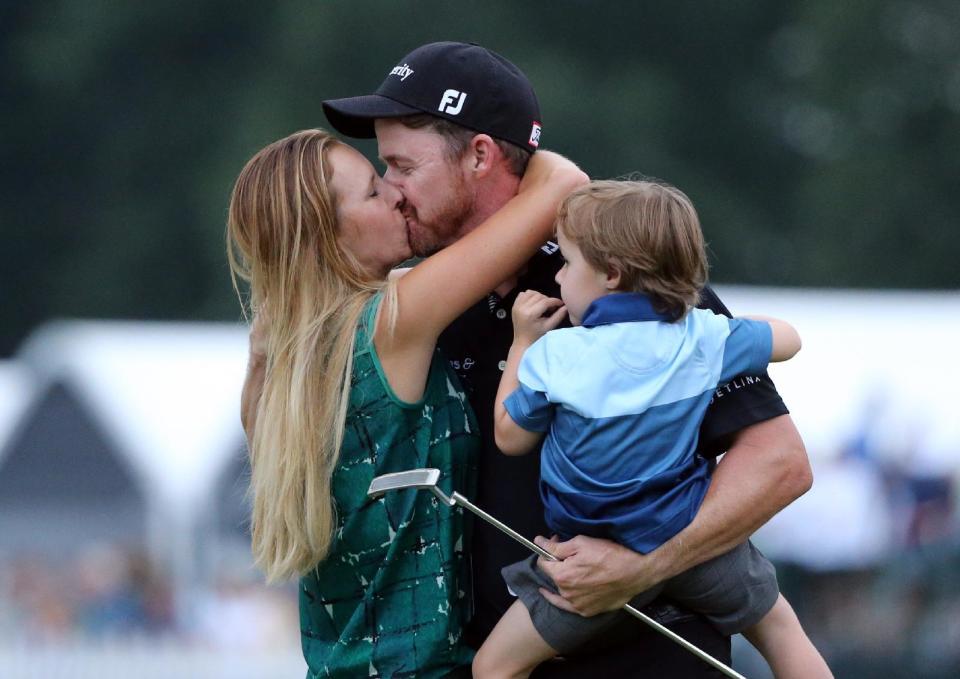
529	321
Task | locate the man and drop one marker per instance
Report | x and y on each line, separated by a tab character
455	125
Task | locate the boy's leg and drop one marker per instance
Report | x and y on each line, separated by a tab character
785	646
737	591
514	648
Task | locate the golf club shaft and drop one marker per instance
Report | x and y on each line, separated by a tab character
703	655
459	499
532	546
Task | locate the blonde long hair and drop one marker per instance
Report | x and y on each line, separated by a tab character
281	240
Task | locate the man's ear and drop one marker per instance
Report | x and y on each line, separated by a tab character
482	154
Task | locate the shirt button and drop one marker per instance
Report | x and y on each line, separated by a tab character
501	314
502	365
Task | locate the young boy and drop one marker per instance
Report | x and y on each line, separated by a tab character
620	397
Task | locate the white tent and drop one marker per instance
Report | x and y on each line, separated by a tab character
16	393
876	367
166	397
884	356
167	393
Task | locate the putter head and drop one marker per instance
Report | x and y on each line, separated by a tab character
413	478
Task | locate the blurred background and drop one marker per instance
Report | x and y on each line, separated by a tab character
819	141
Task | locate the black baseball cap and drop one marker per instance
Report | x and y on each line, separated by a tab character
464	83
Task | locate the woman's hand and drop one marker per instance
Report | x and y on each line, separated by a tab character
529	320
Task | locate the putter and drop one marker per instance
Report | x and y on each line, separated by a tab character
426	479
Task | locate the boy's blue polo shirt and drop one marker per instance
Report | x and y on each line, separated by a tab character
621	399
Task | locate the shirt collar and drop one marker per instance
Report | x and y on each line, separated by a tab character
622	307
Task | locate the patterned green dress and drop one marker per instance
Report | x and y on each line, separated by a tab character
392	597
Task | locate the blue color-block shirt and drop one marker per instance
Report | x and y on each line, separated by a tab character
621	399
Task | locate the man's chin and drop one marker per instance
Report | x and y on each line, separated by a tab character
422	243
423	252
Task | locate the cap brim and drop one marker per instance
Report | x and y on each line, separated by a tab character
354	116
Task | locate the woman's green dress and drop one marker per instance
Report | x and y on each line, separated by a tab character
392	597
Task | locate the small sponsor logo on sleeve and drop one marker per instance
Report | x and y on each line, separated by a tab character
549	247
735	384
535	135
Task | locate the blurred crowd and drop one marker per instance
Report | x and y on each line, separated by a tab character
870	558
110	592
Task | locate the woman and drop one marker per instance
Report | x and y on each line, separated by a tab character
353	388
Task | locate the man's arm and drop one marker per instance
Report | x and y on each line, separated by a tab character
765	469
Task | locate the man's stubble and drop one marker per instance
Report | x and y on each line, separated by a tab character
431	233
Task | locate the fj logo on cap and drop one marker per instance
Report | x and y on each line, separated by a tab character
535	136
452	102
402	71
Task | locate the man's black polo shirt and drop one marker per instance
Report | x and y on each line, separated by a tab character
476	344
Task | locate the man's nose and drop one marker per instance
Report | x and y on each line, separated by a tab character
392	177
394	194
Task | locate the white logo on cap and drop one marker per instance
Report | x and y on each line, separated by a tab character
535	135
452	102
402	71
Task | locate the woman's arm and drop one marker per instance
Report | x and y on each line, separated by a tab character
443	286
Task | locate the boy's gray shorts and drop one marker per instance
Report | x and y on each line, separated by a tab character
733	591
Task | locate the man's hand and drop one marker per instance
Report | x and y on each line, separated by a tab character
595	575
529	322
